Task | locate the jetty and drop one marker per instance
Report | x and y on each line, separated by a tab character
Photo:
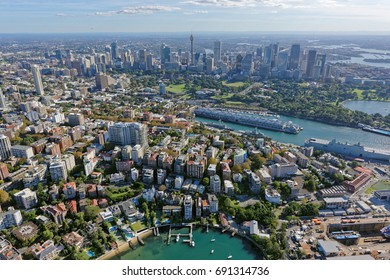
140	241
175	235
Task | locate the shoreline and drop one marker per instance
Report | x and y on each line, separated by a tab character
149	232
125	246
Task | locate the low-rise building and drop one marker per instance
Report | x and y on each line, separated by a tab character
69	190
26	231
73	239
272	195
337	202
47	251
57	212
8	251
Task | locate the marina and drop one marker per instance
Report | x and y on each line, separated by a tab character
223	246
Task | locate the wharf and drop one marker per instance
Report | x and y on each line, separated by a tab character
189	235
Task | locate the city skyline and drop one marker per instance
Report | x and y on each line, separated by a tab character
72	16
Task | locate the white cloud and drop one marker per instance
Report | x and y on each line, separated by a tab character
224	3
196	12
144	10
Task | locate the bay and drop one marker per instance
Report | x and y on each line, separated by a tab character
313	129
156	247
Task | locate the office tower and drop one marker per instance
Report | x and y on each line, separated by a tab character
37	79
3	105
295	53
210	65
142	57
192	50
259	52
5	147
274	54
311	60
247	64
320	62
267	54
149	62
165	54
114	51
58	55
128	134
282	61
217	51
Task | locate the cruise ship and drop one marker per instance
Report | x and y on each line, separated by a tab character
349	150
258	121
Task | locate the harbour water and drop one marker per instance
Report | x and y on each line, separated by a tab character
313	129
369	107
156	247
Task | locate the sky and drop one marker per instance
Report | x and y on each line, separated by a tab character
79	16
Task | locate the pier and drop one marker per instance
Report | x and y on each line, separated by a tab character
140	240
175	235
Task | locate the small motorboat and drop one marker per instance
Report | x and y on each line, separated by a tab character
212	252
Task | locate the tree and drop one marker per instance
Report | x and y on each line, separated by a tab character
206	181
47	234
91	212
4	197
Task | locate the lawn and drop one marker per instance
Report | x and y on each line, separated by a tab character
358	92
176	88
137	226
381	185
234	85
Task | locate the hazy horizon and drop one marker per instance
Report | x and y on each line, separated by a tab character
124	16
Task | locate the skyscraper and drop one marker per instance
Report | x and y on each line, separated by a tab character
165	54
5	147
217	51
114	51
311	60
192	50
37	79
294	56
2	100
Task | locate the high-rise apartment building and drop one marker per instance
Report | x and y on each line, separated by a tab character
5	147
128	134
37	79
2	100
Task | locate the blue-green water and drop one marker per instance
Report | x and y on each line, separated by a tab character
312	129
369	107
156	247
